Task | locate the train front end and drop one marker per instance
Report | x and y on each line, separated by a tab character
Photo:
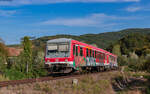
58	56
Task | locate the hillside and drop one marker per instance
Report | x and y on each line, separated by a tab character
133	51
102	40
136	42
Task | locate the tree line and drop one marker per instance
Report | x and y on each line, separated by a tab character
133	51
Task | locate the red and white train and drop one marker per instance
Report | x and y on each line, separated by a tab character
66	55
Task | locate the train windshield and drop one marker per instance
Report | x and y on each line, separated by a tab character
57	50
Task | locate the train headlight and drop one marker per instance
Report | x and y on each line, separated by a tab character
56	60
66	60
48	61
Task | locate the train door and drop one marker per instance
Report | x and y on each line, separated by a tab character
87	57
107	56
75	55
78	55
100	57
81	56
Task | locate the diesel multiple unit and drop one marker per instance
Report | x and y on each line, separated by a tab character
67	55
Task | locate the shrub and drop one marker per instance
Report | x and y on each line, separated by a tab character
146	64
13	74
122	61
148	90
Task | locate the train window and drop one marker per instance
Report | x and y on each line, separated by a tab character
93	53
76	50
111	58
81	51
90	53
102	56
97	55
63	47
105	56
87	52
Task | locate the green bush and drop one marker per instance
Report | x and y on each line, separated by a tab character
146	65
13	74
122	61
148	90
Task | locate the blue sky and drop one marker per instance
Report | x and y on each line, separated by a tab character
36	18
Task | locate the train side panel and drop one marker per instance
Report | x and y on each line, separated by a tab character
85	56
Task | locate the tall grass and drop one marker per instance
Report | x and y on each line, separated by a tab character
3	78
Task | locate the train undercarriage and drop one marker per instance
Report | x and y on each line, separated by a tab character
64	68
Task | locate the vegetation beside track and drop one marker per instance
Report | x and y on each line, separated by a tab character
29	64
101	83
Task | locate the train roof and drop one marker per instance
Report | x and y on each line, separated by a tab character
59	40
69	40
93	47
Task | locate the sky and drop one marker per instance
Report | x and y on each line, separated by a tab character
37	18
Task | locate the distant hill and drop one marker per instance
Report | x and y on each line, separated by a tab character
102	40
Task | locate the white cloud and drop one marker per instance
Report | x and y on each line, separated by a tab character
132	0
7	12
29	2
133	9
94	20
71	22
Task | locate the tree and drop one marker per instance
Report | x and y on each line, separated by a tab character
38	63
3	55
27	54
116	50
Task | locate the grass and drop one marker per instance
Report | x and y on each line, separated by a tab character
47	89
37	86
43	87
88	85
3	78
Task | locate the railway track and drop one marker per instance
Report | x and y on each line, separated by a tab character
42	79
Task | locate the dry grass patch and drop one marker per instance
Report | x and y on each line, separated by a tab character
3	78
